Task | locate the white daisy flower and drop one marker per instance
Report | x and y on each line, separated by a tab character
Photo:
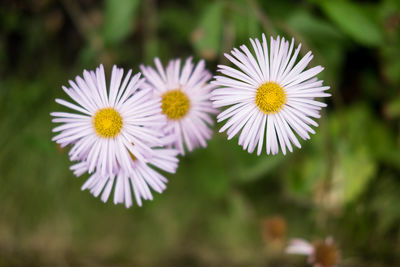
185	98
320	253
105	124
141	179
269	96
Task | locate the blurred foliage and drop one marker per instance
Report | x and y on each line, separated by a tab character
343	183
118	20
353	20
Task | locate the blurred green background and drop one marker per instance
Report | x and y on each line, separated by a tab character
343	183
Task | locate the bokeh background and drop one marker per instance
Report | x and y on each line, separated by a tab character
218	208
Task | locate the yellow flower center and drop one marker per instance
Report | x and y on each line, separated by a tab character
175	104
270	97
107	122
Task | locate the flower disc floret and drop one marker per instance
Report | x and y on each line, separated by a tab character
107	123
175	104
270	97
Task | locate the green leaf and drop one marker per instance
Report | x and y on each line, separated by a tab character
245	23
303	182
258	168
208	35
119	19
352	19
322	37
353	170
314	29
208	170
380	138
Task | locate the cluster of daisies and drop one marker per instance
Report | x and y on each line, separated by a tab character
124	132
